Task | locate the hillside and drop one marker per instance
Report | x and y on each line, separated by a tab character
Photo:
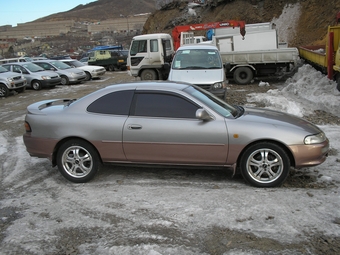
308	26
102	10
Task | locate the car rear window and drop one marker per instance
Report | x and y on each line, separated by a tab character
116	103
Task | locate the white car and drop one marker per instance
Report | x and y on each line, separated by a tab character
91	71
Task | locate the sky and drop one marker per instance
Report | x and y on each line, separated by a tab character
22	11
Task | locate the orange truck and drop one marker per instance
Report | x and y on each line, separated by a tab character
325	58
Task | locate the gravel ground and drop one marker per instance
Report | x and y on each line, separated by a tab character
214	240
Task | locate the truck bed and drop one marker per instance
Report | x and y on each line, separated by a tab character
283	55
316	55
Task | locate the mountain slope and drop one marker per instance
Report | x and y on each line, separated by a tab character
102	10
309	27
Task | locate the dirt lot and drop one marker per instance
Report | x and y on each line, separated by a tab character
135	210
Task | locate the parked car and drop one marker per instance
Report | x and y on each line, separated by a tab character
171	124
36	76
10	81
68	74
84	60
91	72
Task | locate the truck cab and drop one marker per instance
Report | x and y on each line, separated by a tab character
150	56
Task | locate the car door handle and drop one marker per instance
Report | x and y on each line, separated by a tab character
134	126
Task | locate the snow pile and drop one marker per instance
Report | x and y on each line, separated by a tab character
286	23
306	91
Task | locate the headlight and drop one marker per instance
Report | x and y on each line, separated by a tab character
218	85
45	77
314	139
10	80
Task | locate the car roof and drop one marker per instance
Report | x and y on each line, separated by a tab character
45	60
146	85
197	46
18	63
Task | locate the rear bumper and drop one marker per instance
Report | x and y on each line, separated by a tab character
39	147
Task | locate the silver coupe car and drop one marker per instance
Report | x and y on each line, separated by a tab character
167	123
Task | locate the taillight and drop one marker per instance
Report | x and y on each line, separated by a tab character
27	127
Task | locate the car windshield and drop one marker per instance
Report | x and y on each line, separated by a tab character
74	63
33	67
197	59
3	70
60	65
212	101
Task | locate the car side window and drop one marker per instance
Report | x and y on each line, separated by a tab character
116	103
163	105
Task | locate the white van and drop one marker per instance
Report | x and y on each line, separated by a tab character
201	65
12	60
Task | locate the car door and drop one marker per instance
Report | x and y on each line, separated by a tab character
23	71
162	128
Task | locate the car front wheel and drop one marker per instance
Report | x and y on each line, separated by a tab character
4	91
36	85
77	160
265	164
64	80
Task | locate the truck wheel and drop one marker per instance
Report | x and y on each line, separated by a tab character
111	68
148	74
4	91
243	75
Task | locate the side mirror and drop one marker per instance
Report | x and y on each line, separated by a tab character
202	114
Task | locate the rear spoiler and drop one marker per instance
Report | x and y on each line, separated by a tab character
37	107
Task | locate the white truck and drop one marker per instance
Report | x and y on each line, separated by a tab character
259	54
150	56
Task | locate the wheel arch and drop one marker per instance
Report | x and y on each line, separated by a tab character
283	146
57	146
244	65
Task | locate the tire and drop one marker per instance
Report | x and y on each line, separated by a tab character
224	97
21	90
111	68
243	75
4	91
148	74
36	85
338	81
265	164
88	76
77	160
64	80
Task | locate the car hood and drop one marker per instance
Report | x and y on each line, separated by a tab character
278	119
10	74
205	76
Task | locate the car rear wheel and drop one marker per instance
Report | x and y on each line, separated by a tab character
36	85
88	76
148	74
77	160
243	75
4	91
64	80
265	164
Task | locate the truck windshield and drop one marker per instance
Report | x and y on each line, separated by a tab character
197	59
